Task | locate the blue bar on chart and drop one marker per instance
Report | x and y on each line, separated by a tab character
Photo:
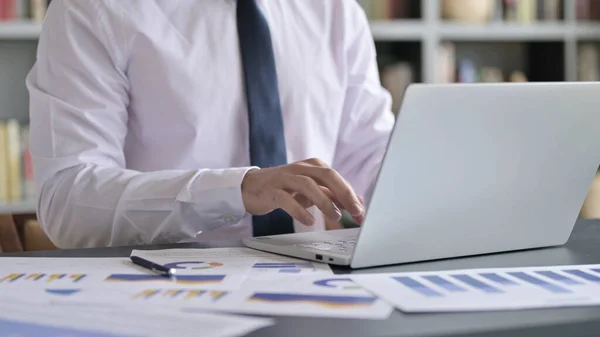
473	282
498	279
583	275
558	277
443	283
539	282
417	286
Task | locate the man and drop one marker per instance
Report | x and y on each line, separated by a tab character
158	121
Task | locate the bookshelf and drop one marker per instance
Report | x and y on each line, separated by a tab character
398	30
20	27
503	32
20	30
431	30
413	43
19	207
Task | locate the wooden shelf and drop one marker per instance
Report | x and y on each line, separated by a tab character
504	32
23	207
587	31
410	30
398	30
416	30
19	30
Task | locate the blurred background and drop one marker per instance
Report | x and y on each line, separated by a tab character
427	41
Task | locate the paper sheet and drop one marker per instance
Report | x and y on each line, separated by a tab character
252	263
295	295
232	280
66	264
35	320
487	289
60	273
307	295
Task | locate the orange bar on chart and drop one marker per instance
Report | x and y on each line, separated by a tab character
194	293
55	277
76	277
173	293
12	277
217	295
146	294
35	277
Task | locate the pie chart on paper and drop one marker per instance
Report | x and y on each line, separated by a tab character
338	283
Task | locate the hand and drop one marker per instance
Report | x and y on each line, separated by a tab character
298	186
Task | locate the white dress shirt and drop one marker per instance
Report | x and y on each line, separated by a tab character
139	130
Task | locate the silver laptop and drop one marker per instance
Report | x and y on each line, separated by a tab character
470	169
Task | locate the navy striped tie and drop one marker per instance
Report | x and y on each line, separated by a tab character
267	142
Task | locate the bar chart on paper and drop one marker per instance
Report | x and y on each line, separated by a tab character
41	278
487	289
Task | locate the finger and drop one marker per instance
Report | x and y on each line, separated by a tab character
304	201
332	197
286	202
311	190
356	208
357	218
340	188
314	162
307	203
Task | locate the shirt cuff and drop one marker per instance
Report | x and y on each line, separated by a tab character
217	196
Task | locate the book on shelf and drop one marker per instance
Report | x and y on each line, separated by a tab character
528	11
588	10
396	74
16	174
32	10
588	62
395	78
390	9
451	69
514	11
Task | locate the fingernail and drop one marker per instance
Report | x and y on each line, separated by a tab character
309	220
337	212
356	209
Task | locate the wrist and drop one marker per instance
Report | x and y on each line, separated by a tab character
243	184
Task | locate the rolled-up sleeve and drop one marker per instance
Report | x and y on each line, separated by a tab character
78	120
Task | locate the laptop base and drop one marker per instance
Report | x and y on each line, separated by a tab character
332	247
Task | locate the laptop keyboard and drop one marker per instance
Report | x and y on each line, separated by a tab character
334	246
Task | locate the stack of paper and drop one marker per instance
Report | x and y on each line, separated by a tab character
213	286
210	285
32	320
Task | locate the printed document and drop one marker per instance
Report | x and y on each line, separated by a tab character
487	289
61	273
252	263
295	295
37	320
